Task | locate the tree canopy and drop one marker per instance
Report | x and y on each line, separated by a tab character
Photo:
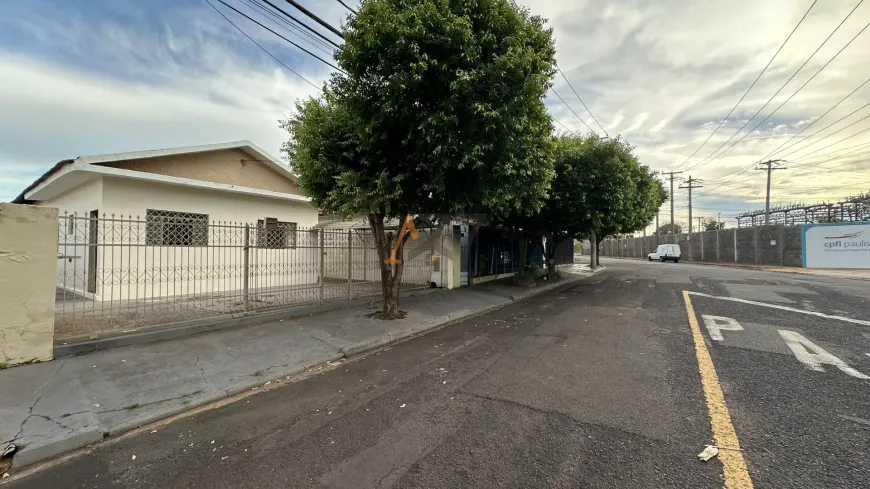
440	112
710	224
606	189
667	228
600	188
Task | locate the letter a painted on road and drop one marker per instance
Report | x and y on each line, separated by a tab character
717	324
813	356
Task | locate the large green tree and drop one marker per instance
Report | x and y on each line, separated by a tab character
439	111
601	189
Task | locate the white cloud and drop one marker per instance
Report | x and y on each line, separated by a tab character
661	73
150	97
667	72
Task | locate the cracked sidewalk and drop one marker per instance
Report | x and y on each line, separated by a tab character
50	408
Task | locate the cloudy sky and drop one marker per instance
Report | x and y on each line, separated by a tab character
86	77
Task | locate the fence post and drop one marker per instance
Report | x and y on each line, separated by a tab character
735	245
782	245
246	266
755	240
701	234
365	245
691	247
349	264
321	252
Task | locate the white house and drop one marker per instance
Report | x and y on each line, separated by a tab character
178	222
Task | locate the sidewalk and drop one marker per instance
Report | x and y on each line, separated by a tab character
50	408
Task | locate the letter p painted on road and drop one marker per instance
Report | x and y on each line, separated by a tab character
717	324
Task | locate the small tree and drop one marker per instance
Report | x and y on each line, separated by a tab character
606	189
710	224
440	112
666	229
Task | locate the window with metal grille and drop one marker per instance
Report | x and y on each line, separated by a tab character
272	233
172	228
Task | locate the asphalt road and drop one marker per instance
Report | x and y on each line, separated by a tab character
595	386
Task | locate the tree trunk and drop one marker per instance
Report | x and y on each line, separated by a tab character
391	275
593	259
550	256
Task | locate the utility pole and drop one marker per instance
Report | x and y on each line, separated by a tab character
657	223
769	166
671	175
699	224
690	184
719	221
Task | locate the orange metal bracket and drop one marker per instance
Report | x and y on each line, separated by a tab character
408	225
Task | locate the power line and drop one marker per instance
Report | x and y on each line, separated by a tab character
319	20
282	37
750	86
737	173
705	160
793	94
853	158
813	122
314	41
581	101
291	70
563	125
572	110
345	6
860	146
837	142
303	24
835	132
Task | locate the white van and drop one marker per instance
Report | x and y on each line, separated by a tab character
666	252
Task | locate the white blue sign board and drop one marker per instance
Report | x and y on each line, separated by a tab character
836	245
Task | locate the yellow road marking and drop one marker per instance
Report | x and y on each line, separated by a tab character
733	466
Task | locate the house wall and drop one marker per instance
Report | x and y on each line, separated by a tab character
27	263
224	166
81	199
74	233
130	271
134	197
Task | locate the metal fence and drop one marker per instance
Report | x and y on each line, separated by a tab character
117	274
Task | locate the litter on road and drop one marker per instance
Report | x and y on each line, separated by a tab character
709	452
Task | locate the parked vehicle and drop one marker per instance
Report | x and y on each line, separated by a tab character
666	252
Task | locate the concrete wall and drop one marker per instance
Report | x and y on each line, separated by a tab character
215	166
762	245
28	247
